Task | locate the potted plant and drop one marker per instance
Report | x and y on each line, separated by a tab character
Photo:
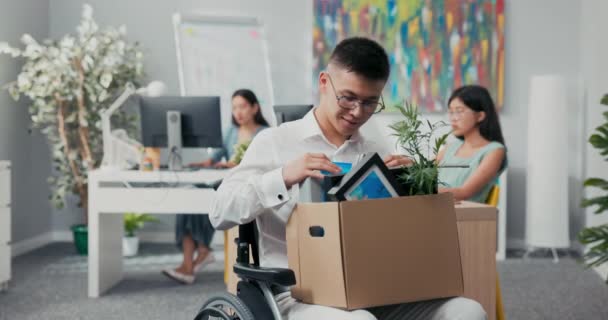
239	151
133	222
68	82
416	138
597	237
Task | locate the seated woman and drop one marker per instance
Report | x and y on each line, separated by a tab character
480	145
193	232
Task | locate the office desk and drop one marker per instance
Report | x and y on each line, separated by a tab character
112	193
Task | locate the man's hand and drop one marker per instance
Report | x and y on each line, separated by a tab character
309	165
395	160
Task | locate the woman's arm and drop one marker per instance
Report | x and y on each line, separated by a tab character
487	170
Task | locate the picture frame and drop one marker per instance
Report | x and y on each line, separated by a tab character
368	179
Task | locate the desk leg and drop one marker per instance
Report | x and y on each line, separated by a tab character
105	249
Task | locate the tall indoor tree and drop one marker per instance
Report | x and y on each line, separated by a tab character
68	82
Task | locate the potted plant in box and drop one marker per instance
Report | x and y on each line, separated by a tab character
416	137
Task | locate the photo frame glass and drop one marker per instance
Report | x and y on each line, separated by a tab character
371	185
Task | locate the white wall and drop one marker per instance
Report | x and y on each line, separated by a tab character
541	37
29	153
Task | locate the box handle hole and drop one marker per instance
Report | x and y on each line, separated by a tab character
316	231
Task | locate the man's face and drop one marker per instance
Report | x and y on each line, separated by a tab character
340	91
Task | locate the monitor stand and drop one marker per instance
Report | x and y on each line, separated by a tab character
174	140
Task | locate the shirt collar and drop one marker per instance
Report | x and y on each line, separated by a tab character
310	128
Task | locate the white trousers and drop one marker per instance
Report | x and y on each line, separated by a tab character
440	309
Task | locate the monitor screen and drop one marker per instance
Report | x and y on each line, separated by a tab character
200	121
290	112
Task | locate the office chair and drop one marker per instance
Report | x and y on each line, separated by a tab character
492	200
288	113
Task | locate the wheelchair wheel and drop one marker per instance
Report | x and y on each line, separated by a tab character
225	306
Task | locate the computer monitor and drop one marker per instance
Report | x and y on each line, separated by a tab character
176	122
291	112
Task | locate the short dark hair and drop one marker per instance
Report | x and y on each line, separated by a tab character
252	99
362	56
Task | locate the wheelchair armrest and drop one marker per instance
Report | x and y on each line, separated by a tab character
279	276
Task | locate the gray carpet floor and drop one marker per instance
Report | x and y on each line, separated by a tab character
50	283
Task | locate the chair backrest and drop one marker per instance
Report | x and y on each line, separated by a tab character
493	196
248	240
286	113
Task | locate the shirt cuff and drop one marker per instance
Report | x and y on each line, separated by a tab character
271	189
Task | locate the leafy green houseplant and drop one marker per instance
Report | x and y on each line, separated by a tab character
68	82
239	151
415	136
597	237
134	222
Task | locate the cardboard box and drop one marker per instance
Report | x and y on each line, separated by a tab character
359	254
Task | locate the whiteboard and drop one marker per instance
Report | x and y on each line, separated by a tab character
217	55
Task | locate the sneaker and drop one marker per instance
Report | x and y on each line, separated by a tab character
208	260
178	276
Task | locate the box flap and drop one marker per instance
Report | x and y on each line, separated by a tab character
318	252
415	237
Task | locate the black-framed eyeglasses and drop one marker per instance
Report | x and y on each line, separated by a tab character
350	103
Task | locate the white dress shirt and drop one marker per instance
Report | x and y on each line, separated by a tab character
255	188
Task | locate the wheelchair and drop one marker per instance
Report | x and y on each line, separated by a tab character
255	290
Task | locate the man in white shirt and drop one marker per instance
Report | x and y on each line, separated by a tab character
265	186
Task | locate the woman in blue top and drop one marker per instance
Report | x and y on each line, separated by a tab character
247	121
480	145
193	232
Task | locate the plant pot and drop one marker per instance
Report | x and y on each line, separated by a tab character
130	245
80	234
409	188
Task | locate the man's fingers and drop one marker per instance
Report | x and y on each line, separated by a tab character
392	163
324	165
315	174
318	156
388	158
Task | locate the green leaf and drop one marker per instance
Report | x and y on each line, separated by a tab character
596	238
604	100
601	202
135	221
596	182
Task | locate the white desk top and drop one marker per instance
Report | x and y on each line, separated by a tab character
197	176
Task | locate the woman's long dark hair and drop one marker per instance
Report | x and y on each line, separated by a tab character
477	98
248	95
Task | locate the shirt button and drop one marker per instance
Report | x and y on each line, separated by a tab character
280	196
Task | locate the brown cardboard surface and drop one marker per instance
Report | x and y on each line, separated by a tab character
381	252
400	250
316	261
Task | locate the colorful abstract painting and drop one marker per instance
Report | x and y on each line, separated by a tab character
434	46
